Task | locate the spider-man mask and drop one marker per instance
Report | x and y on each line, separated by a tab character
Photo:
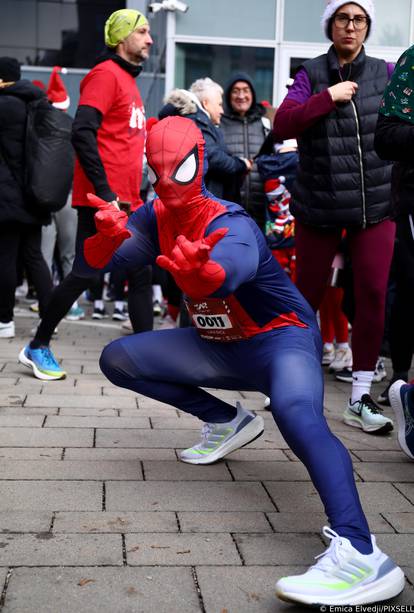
175	154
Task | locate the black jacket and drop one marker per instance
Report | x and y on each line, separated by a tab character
394	140
244	137
341	181
14	205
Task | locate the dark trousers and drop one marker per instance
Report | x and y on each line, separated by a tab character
402	322
72	286
21	243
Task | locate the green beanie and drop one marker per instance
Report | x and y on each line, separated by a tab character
121	24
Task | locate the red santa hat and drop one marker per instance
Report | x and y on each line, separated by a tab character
56	91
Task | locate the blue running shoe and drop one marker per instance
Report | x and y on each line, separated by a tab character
43	363
403	407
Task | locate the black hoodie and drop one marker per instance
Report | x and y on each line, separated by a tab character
14	206
244	136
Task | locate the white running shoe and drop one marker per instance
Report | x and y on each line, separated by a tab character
343	576
218	440
343	359
328	355
367	415
7	330
379	373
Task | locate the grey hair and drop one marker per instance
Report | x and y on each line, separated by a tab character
202	88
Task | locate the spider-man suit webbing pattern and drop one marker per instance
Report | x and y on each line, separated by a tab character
222	256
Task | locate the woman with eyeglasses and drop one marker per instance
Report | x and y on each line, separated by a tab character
342	184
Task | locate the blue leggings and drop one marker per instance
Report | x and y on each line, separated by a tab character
170	365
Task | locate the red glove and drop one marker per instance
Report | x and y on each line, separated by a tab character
110	223
191	267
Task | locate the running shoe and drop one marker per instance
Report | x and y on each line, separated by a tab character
119	315
328	356
344	375
7	330
99	314
379	373
42	362
75	314
156	307
218	440
343	576
403	407
365	414
343	359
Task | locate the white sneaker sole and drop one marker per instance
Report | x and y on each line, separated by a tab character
23	359
247	435
395	400
7	334
387	587
357	422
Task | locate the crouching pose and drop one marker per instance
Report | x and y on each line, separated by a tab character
252	331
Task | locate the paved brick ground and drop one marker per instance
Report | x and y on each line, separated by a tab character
97	514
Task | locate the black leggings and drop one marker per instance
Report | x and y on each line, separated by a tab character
72	286
22	243
402	322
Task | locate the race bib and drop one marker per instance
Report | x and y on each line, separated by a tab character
214	320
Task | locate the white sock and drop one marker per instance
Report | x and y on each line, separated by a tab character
119	305
156	293
342	345
361	384
328	346
98	304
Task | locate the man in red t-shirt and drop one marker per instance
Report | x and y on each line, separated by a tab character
108	137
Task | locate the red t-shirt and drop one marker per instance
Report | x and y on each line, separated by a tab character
121	136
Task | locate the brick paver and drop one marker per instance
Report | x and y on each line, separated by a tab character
98	515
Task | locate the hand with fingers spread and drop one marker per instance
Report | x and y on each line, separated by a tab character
111	232
190	265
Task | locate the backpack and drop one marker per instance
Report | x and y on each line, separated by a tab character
49	156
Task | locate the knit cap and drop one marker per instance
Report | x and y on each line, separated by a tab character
9	69
121	24
333	5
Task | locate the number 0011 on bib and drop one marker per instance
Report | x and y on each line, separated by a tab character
214	320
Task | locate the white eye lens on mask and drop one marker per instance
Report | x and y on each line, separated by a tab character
152	176
187	170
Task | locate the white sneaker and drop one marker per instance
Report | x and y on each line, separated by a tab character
328	355
7	330
218	440
343	576
367	415
379	373
343	359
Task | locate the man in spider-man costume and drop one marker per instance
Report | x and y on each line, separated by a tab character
252	331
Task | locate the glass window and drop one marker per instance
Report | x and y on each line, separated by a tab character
229	18
55	32
195	61
392	26
302	20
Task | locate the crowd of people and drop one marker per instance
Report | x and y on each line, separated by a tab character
264	227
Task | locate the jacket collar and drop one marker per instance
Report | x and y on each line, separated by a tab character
348	72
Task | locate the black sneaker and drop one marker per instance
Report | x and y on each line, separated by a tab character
344	375
119	315
99	314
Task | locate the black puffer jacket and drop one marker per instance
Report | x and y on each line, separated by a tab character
244	136
394	139
14	206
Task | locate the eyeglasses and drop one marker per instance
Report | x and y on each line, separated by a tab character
240	92
342	21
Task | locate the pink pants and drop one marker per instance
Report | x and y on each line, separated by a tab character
371	253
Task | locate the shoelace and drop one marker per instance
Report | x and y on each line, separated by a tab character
368	402
48	357
330	556
206	431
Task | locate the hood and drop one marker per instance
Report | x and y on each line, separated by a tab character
109	54
241	76
181	102
23	89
